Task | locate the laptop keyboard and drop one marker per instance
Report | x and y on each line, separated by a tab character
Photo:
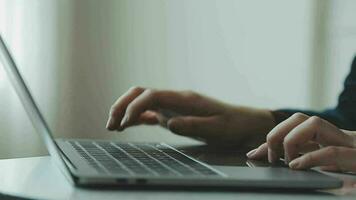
139	159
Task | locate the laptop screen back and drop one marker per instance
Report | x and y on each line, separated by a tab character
29	104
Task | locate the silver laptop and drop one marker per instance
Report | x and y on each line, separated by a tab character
110	163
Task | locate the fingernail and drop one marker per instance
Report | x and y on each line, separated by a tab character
110	124
271	155
173	125
124	121
251	153
294	164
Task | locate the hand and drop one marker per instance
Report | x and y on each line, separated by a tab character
322	143
189	114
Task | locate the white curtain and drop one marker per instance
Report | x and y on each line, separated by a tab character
29	31
79	56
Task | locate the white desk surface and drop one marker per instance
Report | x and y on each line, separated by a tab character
39	178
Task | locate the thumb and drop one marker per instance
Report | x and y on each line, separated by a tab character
194	126
177	124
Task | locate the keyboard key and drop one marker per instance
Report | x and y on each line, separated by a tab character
130	163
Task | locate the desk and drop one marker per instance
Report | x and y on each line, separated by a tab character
39	178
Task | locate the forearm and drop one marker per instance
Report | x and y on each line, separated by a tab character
344	114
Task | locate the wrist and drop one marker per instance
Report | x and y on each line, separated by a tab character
250	125
264	122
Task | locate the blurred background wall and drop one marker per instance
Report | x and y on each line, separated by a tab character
79	56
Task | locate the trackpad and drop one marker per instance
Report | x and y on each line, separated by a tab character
282	177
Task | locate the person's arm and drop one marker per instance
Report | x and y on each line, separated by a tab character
191	114
198	116
343	115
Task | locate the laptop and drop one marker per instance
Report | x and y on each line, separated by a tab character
96	163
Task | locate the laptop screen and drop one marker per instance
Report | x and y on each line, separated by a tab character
29	104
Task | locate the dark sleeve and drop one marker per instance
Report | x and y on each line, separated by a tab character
343	115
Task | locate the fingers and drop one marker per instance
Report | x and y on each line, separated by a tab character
132	107
117	111
148	118
183	103
258	153
308	147
300	134
314	129
276	136
205	127
331	158
135	101
262	151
